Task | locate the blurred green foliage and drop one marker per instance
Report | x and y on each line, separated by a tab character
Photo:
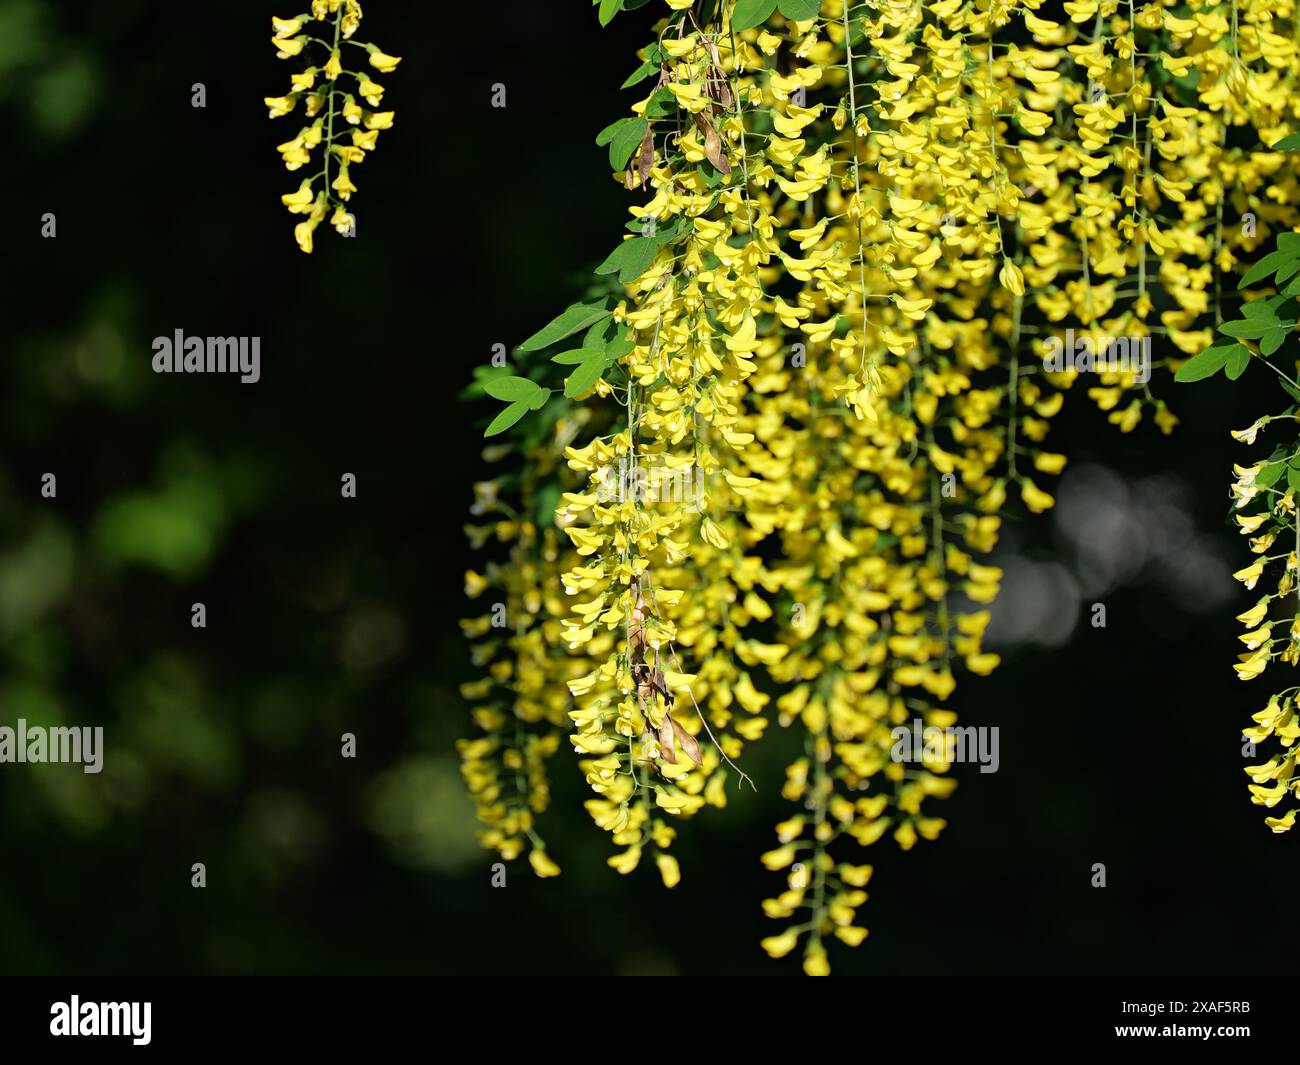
53	80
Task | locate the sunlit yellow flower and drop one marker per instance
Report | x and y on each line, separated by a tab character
280	105
335	97
383	63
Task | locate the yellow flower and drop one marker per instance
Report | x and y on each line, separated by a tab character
1249	523
294	154
1247	435
286	27
280	105
668	869
1011	278
780	946
815	962
300	202
1281	824
1035	498
287	47
542	864
343	185
385	64
851	935
627	861
302	233
1166	419
779	858
1252	665
1254	639
351	21
1267	796
1252	617
1251	574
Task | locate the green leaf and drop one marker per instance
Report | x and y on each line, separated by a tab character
510	389
799	10
1265	266
626	141
1206	364
584	377
1273	339
576	356
630	259
1245	330
607	134
1264	309
539	399
640	74
600	334
482	375
608	9
1287	144
673	231
1237	362
1293	478
506	418
651	64
621	344
1269	473
661	104
751	13
579	316
667	233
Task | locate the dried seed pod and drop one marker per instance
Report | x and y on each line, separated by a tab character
689	744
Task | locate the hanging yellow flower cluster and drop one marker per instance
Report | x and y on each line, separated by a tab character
331	110
876	244
1264	499
520	707
521	704
1264	507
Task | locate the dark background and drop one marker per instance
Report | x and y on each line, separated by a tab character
1118	745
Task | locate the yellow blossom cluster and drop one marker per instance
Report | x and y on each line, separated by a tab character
332	96
520	704
1265	511
859	229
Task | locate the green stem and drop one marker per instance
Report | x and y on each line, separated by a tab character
329	106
